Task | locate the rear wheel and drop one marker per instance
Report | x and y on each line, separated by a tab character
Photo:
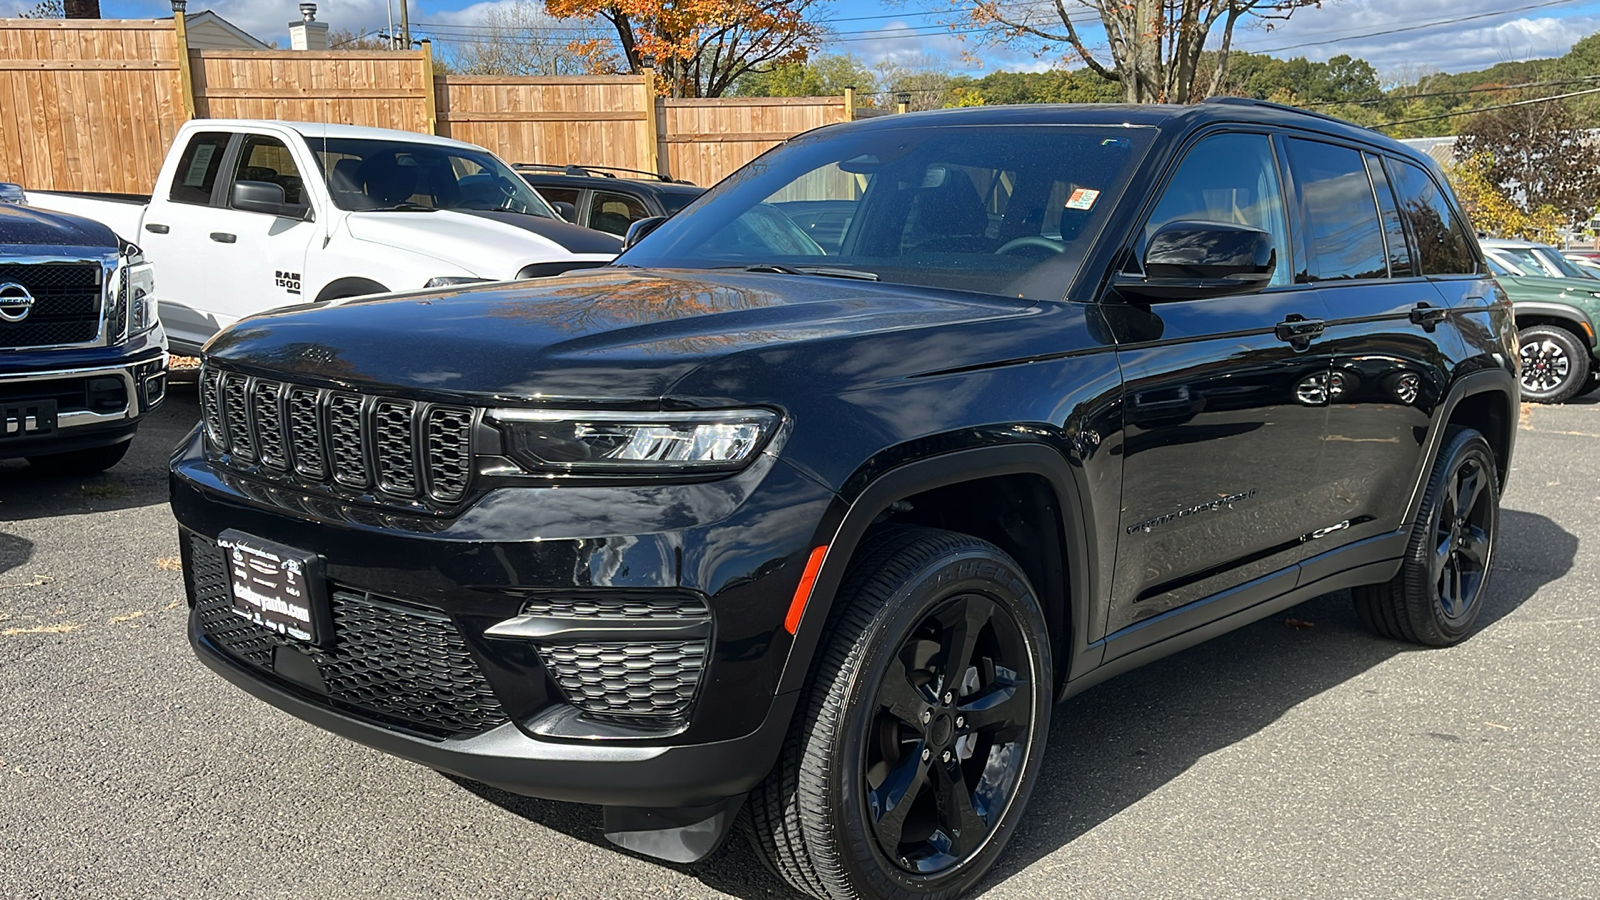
1555	364
80	462
923	728
1439	591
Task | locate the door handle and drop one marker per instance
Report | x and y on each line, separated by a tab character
153	228
222	237
1427	316
1298	330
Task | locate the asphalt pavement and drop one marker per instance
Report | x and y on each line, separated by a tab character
1299	757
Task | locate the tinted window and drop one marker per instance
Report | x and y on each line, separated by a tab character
614	212
198	168
267	159
1441	239
998	209
1394	231
399	175
672	201
1228	178
560	195
1343	236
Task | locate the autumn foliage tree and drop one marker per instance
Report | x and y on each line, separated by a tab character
1155	46
1537	156
700	47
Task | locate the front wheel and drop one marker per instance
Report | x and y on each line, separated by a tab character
1439	591
80	462
923	728
1555	364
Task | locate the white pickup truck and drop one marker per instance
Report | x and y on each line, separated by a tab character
249	216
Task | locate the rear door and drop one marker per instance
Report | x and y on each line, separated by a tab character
1224	420
1392	345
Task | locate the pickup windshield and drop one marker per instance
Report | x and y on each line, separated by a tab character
366	174
998	209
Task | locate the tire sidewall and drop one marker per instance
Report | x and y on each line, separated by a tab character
1432	625
971	572
1578	366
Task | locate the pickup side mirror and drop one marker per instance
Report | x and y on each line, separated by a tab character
639	229
265	197
565	210
1190	260
12	193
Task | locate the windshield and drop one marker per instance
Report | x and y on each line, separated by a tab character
672	201
366	174
1563	267
1001	209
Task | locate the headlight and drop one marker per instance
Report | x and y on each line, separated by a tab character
141	297
447	280
619	442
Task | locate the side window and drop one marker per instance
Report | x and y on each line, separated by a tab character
198	167
1344	239
614	212
266	159
1441	238
559	195
1228	178
1394	231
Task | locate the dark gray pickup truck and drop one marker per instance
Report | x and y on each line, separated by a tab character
82	355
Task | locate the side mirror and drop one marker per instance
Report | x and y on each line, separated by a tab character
1190	260
565	210
639	229
265	197
13	194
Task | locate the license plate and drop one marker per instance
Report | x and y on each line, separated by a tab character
30	418
275	586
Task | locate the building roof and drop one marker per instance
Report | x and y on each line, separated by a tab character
225	33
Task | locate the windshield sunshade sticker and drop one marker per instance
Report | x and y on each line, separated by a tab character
1082	198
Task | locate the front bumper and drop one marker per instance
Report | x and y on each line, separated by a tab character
95	403
410	668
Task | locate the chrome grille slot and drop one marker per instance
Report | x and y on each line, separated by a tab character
236	416
448	447
345	434
305	434
265	409
393	446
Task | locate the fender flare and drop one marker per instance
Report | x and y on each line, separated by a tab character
1559	311
349	287
1082	576
1494	380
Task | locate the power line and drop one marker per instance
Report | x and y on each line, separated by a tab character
1469	112
1477	90
1416	27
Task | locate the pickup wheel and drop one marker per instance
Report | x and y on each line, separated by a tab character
922	730
1439	591
80	462
1555	364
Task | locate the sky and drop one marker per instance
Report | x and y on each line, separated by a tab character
1442	35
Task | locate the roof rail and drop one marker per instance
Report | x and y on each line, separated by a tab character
1268	104
597	172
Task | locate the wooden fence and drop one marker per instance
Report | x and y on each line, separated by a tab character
92	105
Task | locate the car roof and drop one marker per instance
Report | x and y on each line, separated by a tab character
335	131
1509	244
622	185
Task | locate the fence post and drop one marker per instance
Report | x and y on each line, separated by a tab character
430	96
652	127
185	77
850	104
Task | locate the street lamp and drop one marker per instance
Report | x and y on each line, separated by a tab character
902	101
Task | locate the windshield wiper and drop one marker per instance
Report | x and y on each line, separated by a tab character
401	207
823	271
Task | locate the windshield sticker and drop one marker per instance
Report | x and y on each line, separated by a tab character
196	176
1082	198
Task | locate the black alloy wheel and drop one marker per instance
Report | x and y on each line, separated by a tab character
1555	364
922	729
946	747
1439	591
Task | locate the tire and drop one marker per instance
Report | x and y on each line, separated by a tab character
877	699
1589	387
1555	363
1439	591
80	462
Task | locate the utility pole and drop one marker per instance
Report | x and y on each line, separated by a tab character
405	25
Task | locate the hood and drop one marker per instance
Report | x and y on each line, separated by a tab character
38	227
489	244
1539	287
622	334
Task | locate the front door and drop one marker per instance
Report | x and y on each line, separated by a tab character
1224	419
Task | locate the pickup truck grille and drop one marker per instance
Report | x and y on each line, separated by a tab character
66	304
385	448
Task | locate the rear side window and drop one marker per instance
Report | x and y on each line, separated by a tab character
1440	236
613	213
198	168
559	194
1394	230
1343	236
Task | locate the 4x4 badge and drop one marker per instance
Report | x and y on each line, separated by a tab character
15	302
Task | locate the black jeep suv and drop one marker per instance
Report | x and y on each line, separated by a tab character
741	528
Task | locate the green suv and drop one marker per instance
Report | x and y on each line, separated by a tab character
1555	330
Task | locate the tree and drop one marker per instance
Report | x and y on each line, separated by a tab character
520	38
926	79
1491	211
700	47
825	76
1156	45
1536	157
347	39
49	9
